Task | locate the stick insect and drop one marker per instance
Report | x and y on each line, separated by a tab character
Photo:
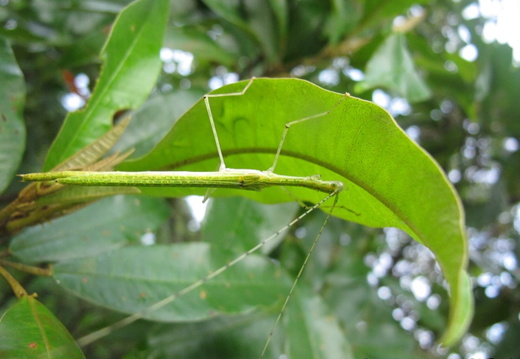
225	177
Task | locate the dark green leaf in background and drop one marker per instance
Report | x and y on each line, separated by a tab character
229	219
131	66
152	121
198	43
377	12
229	337
132	279
106	225
257	23
313	330
392	67
12	127
342	19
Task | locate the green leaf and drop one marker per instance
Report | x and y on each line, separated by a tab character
260	22
254	223
377	11
12	127
313	331
309	331
308	25
281	13
131	66
199	43
132	279
389	180
154	119
342	19
85	50
391	66
29	330
103	226
229	337
89	155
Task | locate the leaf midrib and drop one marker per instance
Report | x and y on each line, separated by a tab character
307	158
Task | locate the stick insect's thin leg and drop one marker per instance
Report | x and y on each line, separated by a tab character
289	124
132	318
222	166
212	121
309	253
307	257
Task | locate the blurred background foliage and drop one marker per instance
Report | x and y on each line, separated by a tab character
436	66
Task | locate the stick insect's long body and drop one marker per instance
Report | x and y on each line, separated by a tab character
228	178
245	179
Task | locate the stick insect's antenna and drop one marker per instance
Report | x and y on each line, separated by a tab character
212	122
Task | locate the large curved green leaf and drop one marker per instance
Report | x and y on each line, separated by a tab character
29	330
131	66
389	180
